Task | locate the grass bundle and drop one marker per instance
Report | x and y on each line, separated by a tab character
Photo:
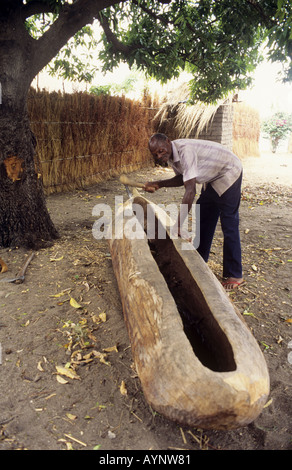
246	131
83	138
180	120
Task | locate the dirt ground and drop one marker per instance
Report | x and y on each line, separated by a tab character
67	379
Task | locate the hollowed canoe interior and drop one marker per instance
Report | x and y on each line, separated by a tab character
209	342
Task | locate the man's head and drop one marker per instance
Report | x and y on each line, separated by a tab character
160	147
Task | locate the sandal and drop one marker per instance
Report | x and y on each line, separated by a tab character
230	285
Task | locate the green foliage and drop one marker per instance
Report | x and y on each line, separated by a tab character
116	89
277	128
217	41
37	25
73	64
101	90
75	60
279	37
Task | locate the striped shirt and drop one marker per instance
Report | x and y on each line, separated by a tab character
207	161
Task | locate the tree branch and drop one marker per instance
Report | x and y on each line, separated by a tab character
112	38
151	13
8	5
35	8
123	48
71	19
269	22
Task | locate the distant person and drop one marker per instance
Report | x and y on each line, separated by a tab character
220	173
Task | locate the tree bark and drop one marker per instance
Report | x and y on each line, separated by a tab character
24	218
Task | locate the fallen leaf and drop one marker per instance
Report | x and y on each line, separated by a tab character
70	416
76	358
279	339
61	380
60	294
39	366
50	396
95	318
86	286
268	403
4	267
62	303
250	314
123	388
101	357
70	373
74	303
110	349
56	259
87	356
102	316
91	336
68	444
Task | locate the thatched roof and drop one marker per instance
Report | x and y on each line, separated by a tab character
187	117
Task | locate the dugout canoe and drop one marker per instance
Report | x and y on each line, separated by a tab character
197	360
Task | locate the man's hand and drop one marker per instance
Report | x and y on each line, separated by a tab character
151	186
184	235
177	231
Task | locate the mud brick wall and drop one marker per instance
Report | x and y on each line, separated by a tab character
220	129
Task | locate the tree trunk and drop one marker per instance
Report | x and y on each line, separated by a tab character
24	219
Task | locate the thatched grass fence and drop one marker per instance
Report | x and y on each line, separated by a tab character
83	139
246	131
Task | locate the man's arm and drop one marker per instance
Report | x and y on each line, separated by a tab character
174	182
186	204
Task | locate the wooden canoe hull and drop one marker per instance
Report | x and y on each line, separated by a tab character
197	361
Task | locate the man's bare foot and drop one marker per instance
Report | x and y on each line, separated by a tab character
232	283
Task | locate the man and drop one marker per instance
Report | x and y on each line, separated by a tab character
220	173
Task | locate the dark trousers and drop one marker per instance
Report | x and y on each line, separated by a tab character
213	206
